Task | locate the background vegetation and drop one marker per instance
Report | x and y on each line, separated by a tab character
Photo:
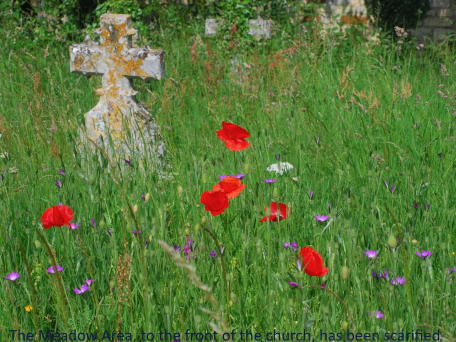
346	113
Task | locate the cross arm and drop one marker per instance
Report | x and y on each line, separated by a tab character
144	63
87	59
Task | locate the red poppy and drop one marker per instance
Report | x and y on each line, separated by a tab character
233	136
215	201
312	262
59	216
282	215
231	185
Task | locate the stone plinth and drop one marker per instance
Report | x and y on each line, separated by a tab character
260	28
211	27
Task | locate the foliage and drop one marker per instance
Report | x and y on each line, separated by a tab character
403	13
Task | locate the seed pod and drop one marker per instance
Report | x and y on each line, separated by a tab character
204	178
246	168
344	272
180	190
344	325
392	242
135	208
203	220
414	241
37	244
275	193
102	224
147	198
197	228
187	232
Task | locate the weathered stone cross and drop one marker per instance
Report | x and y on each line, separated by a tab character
118	62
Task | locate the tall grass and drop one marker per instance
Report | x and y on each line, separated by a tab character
373	124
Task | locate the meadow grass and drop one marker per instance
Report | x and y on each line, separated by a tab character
333	108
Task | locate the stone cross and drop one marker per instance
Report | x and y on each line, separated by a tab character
118	112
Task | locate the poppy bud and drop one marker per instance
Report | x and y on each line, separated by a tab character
135	208
414	241
198	319
409	215
426	286
426	239
203	220
392	242
180	190
344	272
167	311
281	257
344	325
325	310
246	168
92	180
147	197
197	228
230	303
150	238
102	224
275	193
394	326
186	231
204	178
37	244
442	246
401	323
268	212
233	297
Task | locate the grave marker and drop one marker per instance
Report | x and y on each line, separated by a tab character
119	63
260	28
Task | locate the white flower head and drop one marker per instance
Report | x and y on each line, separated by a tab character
280	168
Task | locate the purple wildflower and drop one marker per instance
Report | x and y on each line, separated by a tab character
378	315
109	233
88	282
143	197
286	245
398	281
278	156
270	181
371	254
196	256
93	223
62	172
128	161
295	246
318	139
311	194
73	225
329	205
427	206
416	205
323	286
51	269
292	284
440	154
392	189
83	289
223	248
239	176
386	184
59	183
60	203
177	249
321	218
424	254
385	275
454	269
13	276
213	254
221	178
134	232
298	264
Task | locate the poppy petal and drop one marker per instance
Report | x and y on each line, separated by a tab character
231	185
47	218
66	213
234	131
215	201
222	135
236	145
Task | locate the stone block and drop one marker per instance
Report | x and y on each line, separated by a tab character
260	28
437	22
211	27
445	12
440	3
421	33
440	34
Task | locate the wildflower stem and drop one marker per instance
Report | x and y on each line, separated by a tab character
406	267
58	279
337	297
221	258
93	281
32	288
